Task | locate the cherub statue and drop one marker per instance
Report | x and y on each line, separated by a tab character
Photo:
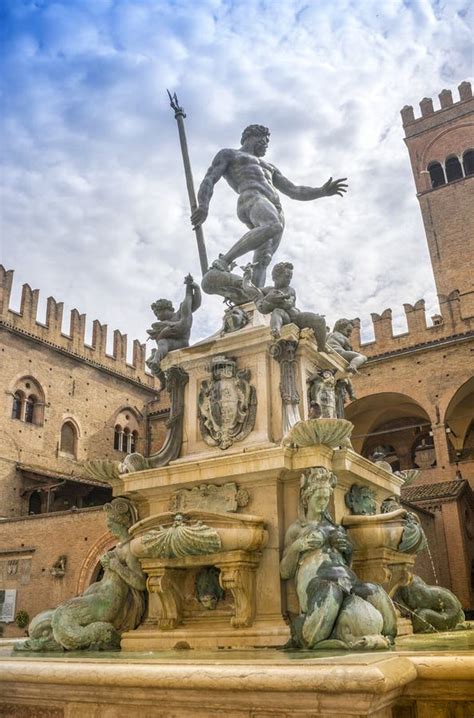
321	394
338	341
280	302
173	328
337	610
96	619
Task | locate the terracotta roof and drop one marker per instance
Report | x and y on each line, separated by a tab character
441	490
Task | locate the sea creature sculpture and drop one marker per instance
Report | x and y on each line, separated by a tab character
413	538
431	608
96	619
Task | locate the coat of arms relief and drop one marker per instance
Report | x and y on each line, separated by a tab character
227	404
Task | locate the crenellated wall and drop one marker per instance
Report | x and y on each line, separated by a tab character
449	325
441	148
25	322
447	111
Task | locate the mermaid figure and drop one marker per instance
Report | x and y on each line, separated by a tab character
337	610
96	619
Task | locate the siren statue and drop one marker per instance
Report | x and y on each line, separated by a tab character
96	619
337	610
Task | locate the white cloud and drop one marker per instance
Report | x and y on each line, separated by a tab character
94	202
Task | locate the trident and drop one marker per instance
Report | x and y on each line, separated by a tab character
179	115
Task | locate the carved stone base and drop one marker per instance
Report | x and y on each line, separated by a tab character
166	579
218	634
391	569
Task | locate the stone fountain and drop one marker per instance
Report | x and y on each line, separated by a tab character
256	526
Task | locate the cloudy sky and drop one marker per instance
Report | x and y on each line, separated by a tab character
94	207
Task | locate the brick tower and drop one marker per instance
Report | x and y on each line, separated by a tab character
441	148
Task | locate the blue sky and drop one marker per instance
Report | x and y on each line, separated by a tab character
94	207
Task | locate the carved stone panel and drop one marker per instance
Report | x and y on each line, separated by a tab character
227	404
284	352
210	497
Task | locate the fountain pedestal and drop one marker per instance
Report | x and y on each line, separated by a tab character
273	377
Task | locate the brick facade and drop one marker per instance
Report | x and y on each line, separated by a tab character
63	403
30	546
416	393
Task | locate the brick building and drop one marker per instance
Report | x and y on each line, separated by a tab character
64	402
416	393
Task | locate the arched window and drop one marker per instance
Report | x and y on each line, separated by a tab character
453	169
30	409
126	430
68	443
17	406
468	162
126	440
118	438
436	174
28	401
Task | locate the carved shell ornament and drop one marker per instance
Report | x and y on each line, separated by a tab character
181	539
312	432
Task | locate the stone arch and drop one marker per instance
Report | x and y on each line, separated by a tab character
72	419
468	162
428	150
459	417
388	418
453	168
89	567
437	176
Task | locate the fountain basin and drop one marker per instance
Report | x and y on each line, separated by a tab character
234	532
376	531
376	557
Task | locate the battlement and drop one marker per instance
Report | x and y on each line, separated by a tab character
25	321
448	324
448	110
